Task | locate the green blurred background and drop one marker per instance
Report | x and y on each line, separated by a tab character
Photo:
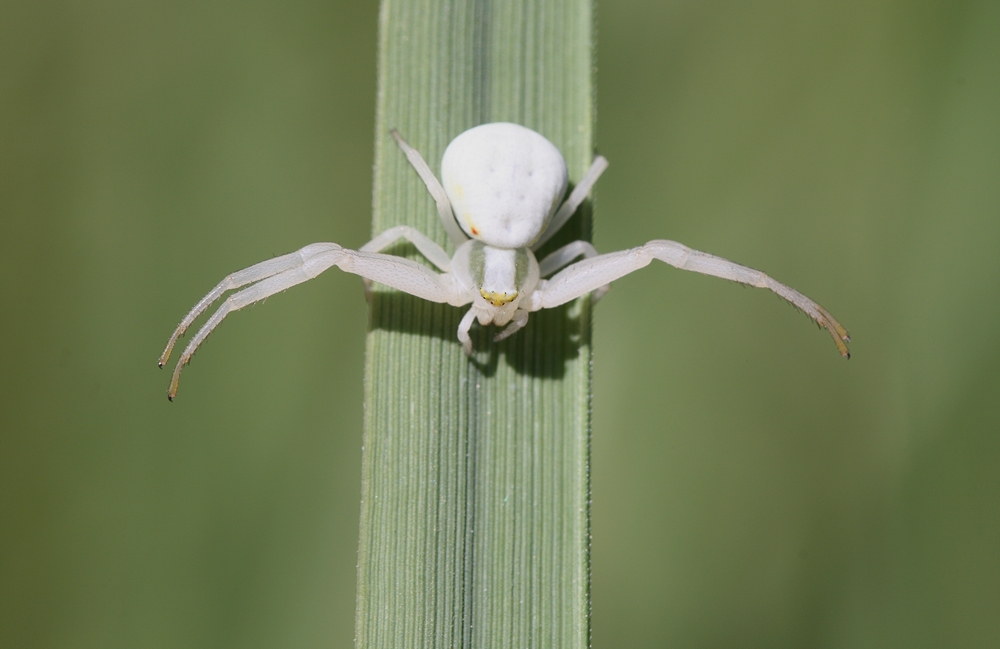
751	489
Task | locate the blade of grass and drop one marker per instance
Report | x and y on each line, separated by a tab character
475	513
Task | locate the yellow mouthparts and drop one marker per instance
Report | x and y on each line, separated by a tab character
497	299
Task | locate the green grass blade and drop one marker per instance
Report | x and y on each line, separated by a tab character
475	513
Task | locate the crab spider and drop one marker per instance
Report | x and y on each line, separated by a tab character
500	199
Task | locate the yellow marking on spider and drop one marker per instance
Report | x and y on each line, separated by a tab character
497	299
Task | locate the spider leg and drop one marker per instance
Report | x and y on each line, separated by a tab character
427	247
680	256
589	274
248	275
576	197
517	323
405	275
463	331
434	187
298	267
563	256
307	268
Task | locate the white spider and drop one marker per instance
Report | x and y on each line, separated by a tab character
503	186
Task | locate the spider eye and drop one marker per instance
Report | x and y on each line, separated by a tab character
498	298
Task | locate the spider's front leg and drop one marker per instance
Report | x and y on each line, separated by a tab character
289	267
564	256
276	275
265	278
594	272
